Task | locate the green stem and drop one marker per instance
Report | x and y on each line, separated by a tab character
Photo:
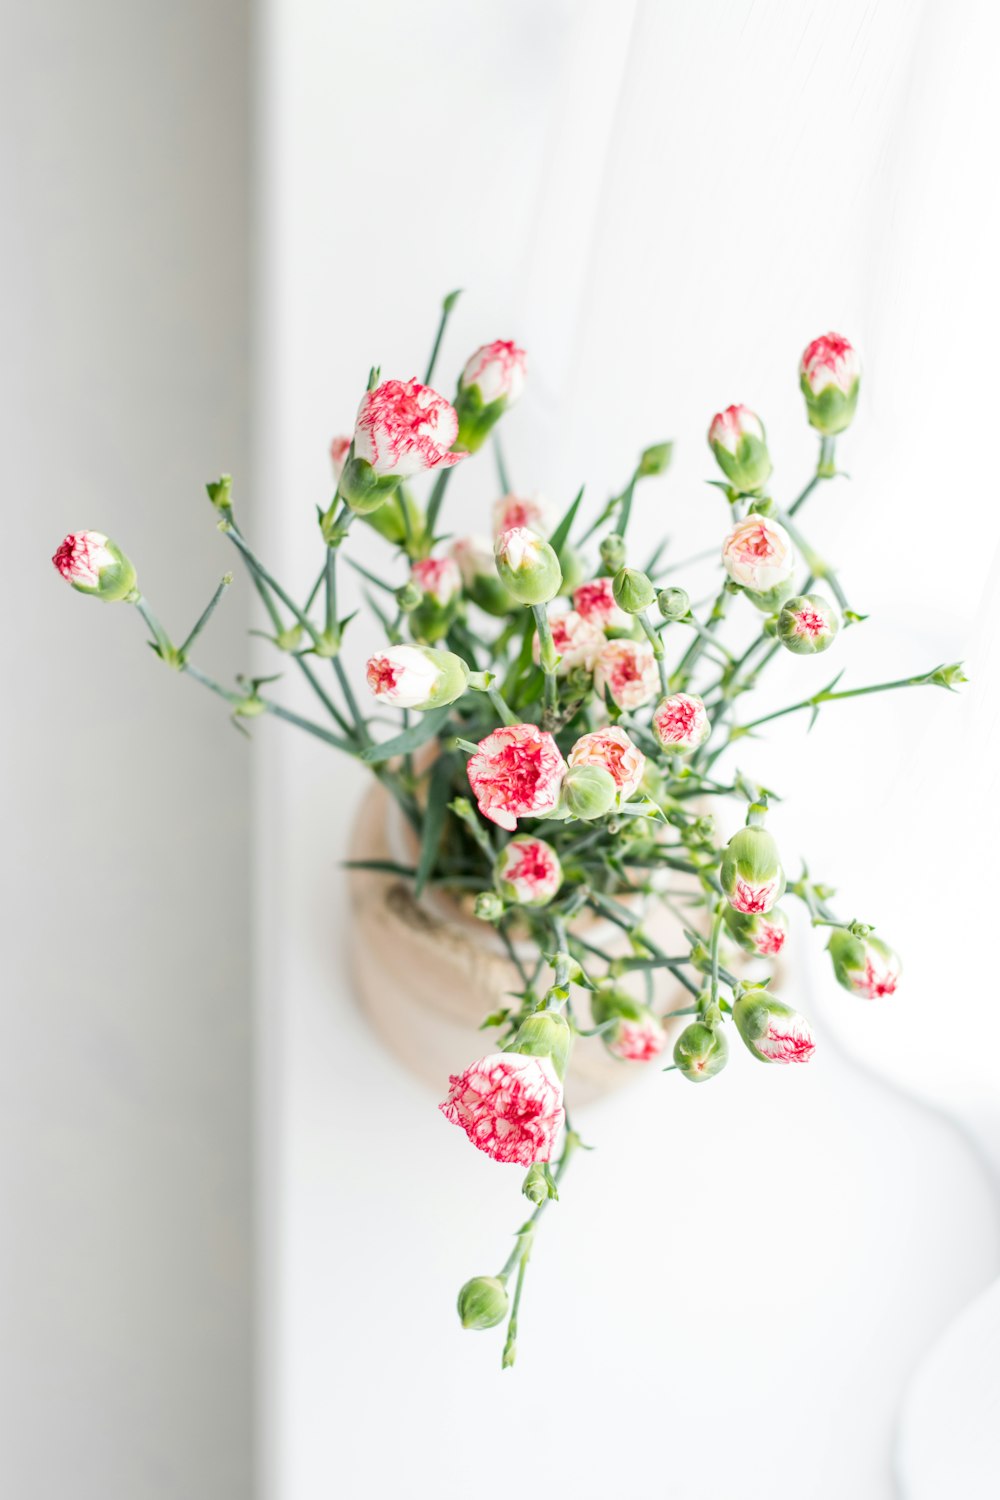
503	708
159	634
714	952
815	563
656	641
206	613
547	660
446	308
264	577
925	680
716	616
521	1253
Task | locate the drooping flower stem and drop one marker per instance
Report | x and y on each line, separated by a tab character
521	1252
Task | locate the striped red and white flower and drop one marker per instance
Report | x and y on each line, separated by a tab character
772	1031
94	564
517	772
509	1105
627	670
528	513
438	578
416	676
761	933
595	601
614	751
405	428
680	722
758	553
865	966
498	370
578	642
528	871
638	1041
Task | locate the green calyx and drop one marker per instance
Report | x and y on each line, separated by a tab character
807	624
633	591
831	411
700	1052
363	489
546	1034
749	468
589	792
475	420
528	568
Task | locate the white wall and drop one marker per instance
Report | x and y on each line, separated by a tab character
125	1064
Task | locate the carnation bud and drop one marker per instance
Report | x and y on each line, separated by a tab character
655	459
757	932
95	565
538	1185
807	624
527	565
440	583
736	437
758	554
409	596
673	604
417	676
772	1032
637	1034
751	872
864	965
220	492
492	380
589	792
546	1034
634	592
399	519
527	871
613	551
830	376
488	907
482	1302
701	1051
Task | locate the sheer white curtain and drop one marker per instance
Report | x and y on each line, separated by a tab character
664	203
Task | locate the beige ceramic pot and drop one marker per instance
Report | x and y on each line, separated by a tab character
427	973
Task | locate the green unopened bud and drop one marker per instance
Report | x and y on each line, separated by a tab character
701	1051
409	596
93	564
474	556
488	907
772	1032
613	552
807	624
482	1302
539	1185
751	872
220	492
589	792
656	459
492	380
757	932
737	439
527	566
864	965
633	591
673	604
772	599
362	488
830	376
950	676
546	1034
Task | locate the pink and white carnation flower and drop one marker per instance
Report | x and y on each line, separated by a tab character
758	554
729	426
527	870
638	1041
405	428
517	772
499	370
627	670
93	564
577	641
615	752
416	676
509	1105
680	722
518	511
439	578
773	1032
830	360
595	601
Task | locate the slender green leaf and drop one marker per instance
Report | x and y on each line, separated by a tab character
438	797
560	536
420	733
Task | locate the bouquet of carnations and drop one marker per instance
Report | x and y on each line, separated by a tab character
559	715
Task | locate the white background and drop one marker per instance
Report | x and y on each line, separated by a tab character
663	203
